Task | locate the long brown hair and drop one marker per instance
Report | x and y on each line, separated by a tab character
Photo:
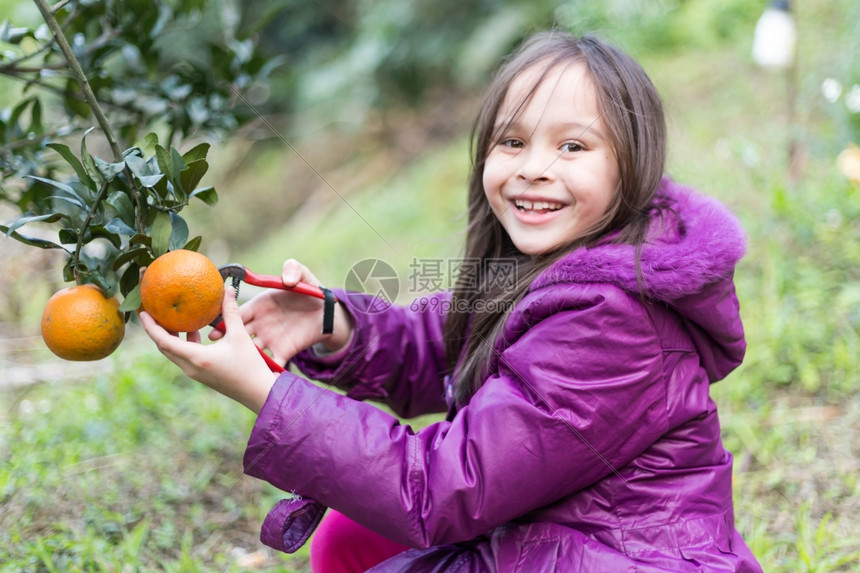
633	116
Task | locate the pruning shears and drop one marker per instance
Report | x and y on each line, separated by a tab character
238	273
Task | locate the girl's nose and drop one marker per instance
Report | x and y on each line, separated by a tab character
535	166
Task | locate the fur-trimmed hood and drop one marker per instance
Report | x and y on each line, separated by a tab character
700	243
687	263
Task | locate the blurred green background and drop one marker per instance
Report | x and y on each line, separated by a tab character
361	151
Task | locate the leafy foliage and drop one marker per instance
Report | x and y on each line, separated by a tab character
169	67
134	220
347	62
178	64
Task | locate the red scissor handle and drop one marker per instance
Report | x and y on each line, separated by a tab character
238	273
271	281
273	366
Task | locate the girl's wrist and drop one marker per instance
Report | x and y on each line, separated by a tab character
255	396
341	336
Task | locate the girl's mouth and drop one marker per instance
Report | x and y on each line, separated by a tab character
536	207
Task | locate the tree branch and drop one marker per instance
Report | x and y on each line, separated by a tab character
75	65
83	231
12	68
59	6
90	97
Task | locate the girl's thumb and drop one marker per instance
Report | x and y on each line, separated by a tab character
230	310
293	272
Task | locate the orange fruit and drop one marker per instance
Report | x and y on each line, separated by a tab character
182	290
81	323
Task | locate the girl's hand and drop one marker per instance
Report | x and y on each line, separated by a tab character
286	323
232	366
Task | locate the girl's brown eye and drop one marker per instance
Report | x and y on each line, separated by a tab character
571	147
515	143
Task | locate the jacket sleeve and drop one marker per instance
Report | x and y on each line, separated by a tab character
396	355
574	399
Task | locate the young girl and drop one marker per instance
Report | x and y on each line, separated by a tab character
580	435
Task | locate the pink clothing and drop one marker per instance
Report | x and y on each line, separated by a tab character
340	545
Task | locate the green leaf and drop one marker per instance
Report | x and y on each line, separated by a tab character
140	239
103	232
36	117
132	300
73	200
138	254
165	165
13	35
99	280
31	241
138	165
206	194
119	227
21	221
176	158
131	277
70	158
180	231
160	233
193	244
70	193
68	236
19	109
161	189
133	150
164	162
148	143
178	165
193	173
196	153
143	171
109	171
123	206
90	165
69	270
55	184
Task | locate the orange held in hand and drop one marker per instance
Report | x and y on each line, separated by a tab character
80	323
182	290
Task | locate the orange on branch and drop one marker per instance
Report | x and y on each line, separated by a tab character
80	323
182	290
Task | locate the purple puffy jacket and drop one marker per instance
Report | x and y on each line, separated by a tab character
593	445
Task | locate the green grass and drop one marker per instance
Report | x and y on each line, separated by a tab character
132	469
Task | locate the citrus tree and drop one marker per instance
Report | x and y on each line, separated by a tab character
140	78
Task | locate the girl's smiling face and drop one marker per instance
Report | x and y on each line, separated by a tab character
551	174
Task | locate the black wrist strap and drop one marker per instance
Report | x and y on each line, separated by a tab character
328	311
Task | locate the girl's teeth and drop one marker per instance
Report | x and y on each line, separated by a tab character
523	205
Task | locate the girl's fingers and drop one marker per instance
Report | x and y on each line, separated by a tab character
247	312
193	336
164	340
282	358
230	311
293	272
150	326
